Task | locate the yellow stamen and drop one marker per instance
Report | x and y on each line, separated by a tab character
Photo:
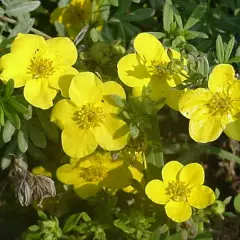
178	191
94	173
89	116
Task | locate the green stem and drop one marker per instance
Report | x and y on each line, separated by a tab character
34	30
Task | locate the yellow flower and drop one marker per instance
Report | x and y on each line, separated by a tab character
75	15
39	170
39	65
90	118
180	190
90	174
151	64
210	110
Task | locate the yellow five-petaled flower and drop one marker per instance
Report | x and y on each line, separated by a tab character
39	66
180	190
90	118
211	110
152	65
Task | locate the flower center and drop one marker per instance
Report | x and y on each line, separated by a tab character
89	116
178	191
94	173
74	13
219	104
159	68
40	68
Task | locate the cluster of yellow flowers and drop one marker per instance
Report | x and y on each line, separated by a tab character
88	116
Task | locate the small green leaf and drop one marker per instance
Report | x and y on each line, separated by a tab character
8	131
219	49
9	88
2	121
177	17
236	203
71	222
134	130
217	193
234	60
37	137
117	100
123	6
7	157
229	49
113	2
196	15
138	15
21	8
18	106
36	153
11	116
167	15
34	228
158	35
194	34
42	215
23	138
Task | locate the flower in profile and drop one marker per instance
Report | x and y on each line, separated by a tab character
76	14
91	174
90	118
39	65
152	65
40	170
181	189
211	110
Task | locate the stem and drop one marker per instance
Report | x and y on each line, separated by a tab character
34	30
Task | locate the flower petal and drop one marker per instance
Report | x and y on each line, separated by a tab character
205	129
132	72
86	190
62	50
201	197
62	113
170	171
148	46
192	174
232	130
178	211
85	88
67	174
221	78
78	143
37	93
112	88
115	132
155	191
65	80
173	98
192	100
27	44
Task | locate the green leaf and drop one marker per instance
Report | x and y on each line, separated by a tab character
95	35
104	10
2	12
2	121
22	138
203	66
63	3
158	35
194	34
196	15
117	101
42	215
50	129
36	153
134	131
8	131
113	2
122	225
18	106
71	222
123	6
7	157
138	15
229	49
167	15
21	8
204	236
37	137
236	203
11	116
219	49
177	17
9	88
234	60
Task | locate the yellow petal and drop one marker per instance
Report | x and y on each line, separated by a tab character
178	211
65	81
67	174
155	191
78	143
148	47
85	88
192	100
115	132
112	88
132	72
192	174
86	190
27	44
234	93
37	93
63	112
206	129
170	171
173	98
40	170
232	130
63	50
14	67
221	78
201	197
112	179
